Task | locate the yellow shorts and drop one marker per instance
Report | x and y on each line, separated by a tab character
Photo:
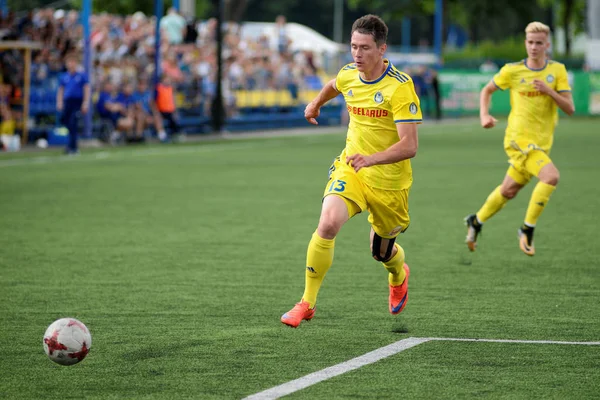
388	209
525	165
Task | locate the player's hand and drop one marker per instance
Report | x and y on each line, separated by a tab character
311	112
358	161
487	121
541	86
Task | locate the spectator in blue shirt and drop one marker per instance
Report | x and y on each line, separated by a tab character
73	96
106	95
147	113
124	105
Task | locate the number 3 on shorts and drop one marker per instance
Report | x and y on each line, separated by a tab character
340	186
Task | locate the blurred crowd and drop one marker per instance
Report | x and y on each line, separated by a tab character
124	51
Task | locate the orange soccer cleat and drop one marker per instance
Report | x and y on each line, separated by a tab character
399	294
301	311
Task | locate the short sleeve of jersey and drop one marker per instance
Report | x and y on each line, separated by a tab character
85	80
406	107
502	78
562	80
341	79
62	80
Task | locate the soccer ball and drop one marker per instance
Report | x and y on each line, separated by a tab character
67	341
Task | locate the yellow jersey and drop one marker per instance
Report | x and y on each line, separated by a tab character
375	107
533	115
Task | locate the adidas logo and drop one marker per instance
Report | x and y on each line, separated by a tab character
350	94
541	204
311	269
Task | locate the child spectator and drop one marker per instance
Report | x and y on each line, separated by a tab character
147	114
165	102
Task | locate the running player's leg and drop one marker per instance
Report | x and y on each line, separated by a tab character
335	212
342	197
539	164
389	217
513	182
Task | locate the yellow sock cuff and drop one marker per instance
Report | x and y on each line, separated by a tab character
395	267
544	189
399	254
324	243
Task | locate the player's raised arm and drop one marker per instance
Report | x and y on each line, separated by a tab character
329	91
487	121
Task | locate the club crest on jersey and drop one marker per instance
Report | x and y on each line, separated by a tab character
550	78
378	98
413	109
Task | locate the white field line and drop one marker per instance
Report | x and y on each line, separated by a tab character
338	369
374	356
517	341
310	134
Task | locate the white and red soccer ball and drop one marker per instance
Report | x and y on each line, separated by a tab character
67	341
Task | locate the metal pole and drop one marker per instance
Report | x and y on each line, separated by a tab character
218	113
158	12
406	34
87	62
26	88
4	7
593	18
438	26
592	56
338	20
176	5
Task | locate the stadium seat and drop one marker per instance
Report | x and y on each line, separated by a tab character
313	82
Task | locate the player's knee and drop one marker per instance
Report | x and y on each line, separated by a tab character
551	178
328	228
509	192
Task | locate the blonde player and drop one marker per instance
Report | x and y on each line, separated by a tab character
373	172
537	87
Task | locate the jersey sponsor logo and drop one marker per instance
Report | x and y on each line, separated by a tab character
550	78
368	112
350	94
378	98
531	94
413	109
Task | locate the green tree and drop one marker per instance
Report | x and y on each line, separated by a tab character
482	19
570	16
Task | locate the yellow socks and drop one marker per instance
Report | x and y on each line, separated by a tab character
319	258
492	205
539	199
396	267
